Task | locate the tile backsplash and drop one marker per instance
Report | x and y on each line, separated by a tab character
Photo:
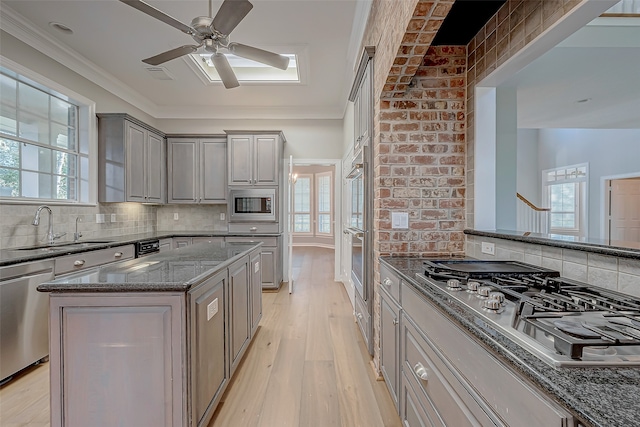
130	218
192	218
619	274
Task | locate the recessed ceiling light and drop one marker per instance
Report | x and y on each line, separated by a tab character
583	101
61	27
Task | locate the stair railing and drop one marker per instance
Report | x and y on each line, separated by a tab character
531	218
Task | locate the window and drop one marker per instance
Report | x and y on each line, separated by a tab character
324	202
247	70
312	204
302	205
565	193
41	155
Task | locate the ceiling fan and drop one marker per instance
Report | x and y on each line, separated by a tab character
213	34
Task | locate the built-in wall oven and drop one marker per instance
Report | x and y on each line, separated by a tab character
356	228
253	205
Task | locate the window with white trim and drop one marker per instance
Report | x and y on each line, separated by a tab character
565	192
323	192
302	204
41	155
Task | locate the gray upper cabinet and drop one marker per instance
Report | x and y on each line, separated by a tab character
254	159
131	164
197	170
362	97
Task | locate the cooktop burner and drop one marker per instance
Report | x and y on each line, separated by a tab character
565	322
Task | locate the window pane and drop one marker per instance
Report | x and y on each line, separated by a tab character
9	153
302	223
324	223
302	195
324	194
33	100
65	163
84	179
36	158
34	128
8	91
65	188
63	136
36	185
8	121
9	182
62	112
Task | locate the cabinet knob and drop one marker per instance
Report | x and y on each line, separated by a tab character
118	254
253	228
359	316
387	282
421	371
395	322
78	262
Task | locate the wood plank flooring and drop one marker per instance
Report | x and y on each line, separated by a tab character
307	365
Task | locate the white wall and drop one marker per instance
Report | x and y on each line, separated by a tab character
347	130
608	151
527	165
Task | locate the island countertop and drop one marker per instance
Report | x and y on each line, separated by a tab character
173	271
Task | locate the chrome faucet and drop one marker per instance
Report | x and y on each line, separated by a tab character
76	235
51	237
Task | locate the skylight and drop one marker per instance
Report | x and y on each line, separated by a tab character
247	70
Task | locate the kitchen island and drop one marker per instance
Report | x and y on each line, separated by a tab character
153	341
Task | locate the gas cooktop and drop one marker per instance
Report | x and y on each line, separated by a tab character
564	322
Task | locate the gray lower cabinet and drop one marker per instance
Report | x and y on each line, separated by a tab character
390	343
255	267
271	259
239	310
197	170
209	373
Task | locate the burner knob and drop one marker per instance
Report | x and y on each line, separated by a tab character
492	304
454	284
498	296
472	286
483	291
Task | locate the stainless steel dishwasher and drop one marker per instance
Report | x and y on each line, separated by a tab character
24	316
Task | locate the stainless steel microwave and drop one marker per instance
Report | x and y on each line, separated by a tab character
253	205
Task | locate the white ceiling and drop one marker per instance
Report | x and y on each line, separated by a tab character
599	63
111	38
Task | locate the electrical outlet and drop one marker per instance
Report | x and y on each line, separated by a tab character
222	216
399	220
113	218
176	216
488	248
212	309
99	218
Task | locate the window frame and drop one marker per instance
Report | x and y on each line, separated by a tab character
311	207
86	134
317	177
581	191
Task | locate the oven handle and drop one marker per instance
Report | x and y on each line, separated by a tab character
354	232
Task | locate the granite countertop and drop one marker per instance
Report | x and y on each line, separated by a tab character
604	397
10	256
174	271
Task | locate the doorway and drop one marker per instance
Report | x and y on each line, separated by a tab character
623	216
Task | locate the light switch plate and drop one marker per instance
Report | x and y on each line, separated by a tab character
222	216
488	248
212	309
99	218
399	220
176	216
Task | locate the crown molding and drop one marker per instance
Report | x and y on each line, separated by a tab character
252	113
27	32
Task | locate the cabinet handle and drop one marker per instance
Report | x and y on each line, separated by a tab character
253	228
359	316
387	282
118	254
395	322
78	262
421	371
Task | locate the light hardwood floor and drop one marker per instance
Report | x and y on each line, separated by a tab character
307	365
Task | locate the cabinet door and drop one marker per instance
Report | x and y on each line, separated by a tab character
208	363
154	177
239	310
213	171
256	290
240	160
390	343
136	162
365	110
181	242
268	261
357	105
182	182
266	160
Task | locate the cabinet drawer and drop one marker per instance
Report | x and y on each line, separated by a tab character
390	281
254	228
83	260
268	241
196	240
443	398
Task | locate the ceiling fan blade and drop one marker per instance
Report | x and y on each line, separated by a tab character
171	54
158	14
259	55
230	14
224	70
